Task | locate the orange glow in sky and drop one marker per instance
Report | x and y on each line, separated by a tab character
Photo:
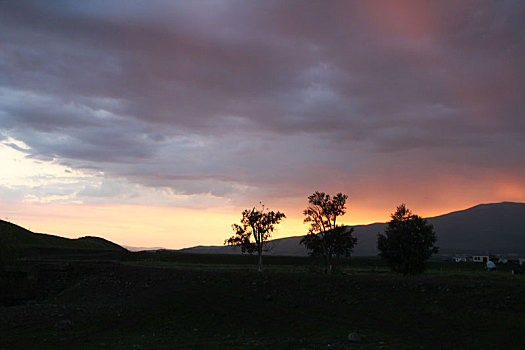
156	125
175	227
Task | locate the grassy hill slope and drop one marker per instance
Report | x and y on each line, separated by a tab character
17	240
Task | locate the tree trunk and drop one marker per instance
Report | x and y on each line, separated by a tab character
328	264
328	267
259	266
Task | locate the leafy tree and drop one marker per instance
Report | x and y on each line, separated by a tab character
255	229
325	237
408	242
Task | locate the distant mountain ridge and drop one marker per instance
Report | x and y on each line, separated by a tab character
141	249
495	228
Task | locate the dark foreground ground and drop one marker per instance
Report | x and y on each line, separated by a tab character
196	304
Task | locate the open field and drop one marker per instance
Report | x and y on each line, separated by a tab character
185	301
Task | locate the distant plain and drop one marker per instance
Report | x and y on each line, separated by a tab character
187	301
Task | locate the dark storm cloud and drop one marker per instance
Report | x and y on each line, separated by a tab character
261	93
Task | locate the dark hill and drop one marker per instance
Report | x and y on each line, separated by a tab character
17	240
493	228
497	228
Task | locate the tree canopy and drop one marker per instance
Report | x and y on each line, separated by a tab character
325	237
255	229
408	242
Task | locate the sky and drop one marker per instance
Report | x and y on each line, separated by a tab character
155	123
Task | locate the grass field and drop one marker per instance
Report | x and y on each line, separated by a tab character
18	242
183	301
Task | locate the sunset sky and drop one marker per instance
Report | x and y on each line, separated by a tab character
155	123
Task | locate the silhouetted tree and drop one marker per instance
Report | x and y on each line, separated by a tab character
408	242
256	225
325	237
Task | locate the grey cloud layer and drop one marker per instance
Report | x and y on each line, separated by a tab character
222	97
